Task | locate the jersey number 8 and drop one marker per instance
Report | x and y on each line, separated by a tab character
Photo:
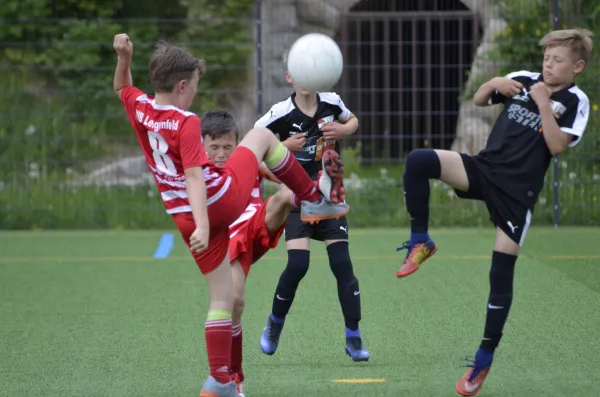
159	151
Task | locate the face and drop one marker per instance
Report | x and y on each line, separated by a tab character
560	66
219	149
299	91
187	91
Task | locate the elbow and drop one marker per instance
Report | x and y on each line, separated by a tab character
480	101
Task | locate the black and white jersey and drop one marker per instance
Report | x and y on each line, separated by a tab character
516	156
286	120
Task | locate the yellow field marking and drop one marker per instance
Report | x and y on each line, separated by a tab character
391	259
366	380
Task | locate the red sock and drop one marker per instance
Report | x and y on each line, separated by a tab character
289	171
236	351
218	348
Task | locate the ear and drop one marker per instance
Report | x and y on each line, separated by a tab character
579	66
181	86
288	78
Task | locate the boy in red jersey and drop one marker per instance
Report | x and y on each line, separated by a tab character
254	233
205	199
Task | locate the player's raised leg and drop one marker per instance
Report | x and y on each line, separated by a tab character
421	166
286	168
499	302
349	296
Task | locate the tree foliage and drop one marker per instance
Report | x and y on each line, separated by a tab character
57	59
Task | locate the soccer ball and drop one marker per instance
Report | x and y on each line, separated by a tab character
315	62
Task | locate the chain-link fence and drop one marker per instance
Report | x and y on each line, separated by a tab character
69	158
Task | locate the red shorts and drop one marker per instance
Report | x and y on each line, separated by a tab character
253	240
242	167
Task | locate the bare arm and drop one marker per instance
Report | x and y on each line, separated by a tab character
122	76
556	140
484	93
196	190
350	125
496	89
124	49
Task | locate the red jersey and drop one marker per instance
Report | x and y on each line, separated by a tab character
172	142
254	201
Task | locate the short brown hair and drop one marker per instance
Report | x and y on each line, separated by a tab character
218	123
579	40
170	64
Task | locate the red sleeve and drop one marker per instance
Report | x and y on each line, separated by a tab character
129	95
190	144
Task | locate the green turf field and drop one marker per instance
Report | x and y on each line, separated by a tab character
93	314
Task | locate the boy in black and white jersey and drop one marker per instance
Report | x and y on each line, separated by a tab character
544	113
310	125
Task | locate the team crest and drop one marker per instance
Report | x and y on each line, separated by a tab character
558	109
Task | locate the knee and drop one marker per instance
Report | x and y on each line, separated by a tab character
261	133
239	302
297	266
501	279
340	262
283	195
423	161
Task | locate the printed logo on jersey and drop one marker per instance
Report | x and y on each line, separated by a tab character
524	97
139	115
156	126
524	116
558	109
325	120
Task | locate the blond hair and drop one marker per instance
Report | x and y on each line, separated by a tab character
579	40
170	64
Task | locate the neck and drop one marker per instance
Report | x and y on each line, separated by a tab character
558	87
306	103
165	99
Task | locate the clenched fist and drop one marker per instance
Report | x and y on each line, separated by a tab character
123	46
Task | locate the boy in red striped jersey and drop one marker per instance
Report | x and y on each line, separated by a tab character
203	198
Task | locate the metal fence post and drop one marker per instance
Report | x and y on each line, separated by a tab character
555	12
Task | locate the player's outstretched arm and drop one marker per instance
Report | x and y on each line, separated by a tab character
124	49
501	85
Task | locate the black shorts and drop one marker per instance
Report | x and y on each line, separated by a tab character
507	213
330	229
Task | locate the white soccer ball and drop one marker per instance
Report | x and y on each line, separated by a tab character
315	62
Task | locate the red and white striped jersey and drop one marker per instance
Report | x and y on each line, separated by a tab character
254	201
172	142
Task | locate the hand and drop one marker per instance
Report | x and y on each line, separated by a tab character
199	239
540	94
123	46
295	143
333	131
507	87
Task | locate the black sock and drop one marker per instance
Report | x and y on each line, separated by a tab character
501	293
421	166
348	290
297	266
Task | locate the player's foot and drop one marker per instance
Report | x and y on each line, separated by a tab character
270	336
479	368
355	349
322	210
212	388
417	254
239	384
331	181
